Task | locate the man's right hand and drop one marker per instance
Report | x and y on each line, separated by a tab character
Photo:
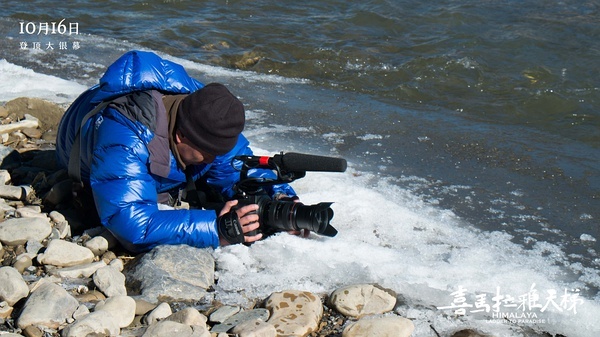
245	217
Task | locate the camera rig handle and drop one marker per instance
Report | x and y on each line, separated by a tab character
253	185
289	167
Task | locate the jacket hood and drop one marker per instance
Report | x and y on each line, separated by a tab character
133	71
139	70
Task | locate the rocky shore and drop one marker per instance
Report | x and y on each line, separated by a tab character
58	277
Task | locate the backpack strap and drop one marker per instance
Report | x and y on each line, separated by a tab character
74	167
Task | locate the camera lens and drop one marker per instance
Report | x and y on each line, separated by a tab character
293	216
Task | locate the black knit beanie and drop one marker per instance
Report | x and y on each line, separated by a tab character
211	118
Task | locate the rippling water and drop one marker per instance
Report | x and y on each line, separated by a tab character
516	62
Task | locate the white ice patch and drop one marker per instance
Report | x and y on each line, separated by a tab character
388	236
587	237
17	81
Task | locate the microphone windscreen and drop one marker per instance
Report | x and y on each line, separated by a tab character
297	162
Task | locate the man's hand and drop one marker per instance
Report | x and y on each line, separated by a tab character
246	218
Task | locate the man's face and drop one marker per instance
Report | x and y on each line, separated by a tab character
190	154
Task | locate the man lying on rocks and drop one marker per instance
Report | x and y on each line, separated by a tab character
137	138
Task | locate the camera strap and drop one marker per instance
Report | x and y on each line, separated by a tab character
195	198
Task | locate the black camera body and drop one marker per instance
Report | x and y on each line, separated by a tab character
286	214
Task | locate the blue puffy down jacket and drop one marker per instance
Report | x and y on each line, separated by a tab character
117	163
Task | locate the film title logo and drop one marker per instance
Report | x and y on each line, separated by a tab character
523	308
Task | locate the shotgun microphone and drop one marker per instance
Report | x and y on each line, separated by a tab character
296	162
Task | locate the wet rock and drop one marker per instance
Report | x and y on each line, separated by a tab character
93	296
17	231
10	334
47	113
32	331
361	300
223	313
81	311
29	121
5	208
5	178
247	60
57	217
98	323
33	247
98	245
23	262
112	241
108	257
241	317
15	192
81	270
5	311
63	229
389	326
469	333
34	133
117	264
188	316
49	305
110	281
294	313
142	307
12	286
31	212
161	312
62	253
121	307
255	328
170	328
177	273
